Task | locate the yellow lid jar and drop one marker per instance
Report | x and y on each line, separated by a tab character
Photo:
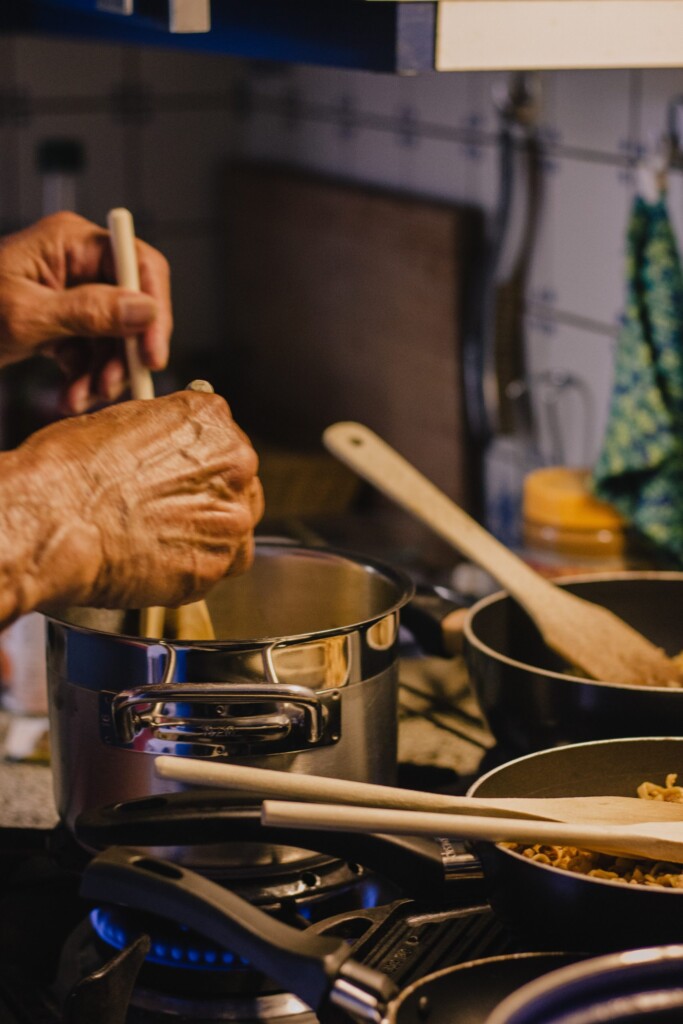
566	531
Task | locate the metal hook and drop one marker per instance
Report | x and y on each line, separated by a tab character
674	152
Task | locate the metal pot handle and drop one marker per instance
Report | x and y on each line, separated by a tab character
197	719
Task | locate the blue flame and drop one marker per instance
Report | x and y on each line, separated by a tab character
174	946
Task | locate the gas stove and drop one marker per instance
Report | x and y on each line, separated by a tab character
405	907
66	959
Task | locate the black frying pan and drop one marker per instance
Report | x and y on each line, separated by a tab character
563	910
531	699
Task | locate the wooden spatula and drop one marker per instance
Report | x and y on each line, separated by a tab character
192	621
267	782
584	634
662	840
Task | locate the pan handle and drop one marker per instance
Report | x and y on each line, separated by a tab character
418	865
315	968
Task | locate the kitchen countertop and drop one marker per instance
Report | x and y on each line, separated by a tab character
26	799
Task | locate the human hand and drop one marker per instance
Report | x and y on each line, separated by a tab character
145	503
57	297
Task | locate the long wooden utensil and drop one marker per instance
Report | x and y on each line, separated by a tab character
191	621
586	635
653	841
265	782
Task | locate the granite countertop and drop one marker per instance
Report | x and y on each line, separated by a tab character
26	799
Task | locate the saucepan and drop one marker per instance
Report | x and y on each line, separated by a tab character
302	677
563	909
532	700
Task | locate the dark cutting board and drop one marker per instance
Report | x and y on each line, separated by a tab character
346	302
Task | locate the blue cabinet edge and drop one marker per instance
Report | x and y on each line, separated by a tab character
377	36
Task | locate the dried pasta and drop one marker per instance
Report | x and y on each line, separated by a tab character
614	869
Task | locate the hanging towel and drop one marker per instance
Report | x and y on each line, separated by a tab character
640	468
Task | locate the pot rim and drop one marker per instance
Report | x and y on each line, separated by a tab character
499	596
639	891
554	983
397	577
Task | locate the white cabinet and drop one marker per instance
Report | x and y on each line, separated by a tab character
526	34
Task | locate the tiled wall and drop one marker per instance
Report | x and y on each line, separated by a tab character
157	127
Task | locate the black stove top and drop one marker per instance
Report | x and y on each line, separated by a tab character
66	960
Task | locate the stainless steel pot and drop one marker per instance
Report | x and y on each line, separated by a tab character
303	678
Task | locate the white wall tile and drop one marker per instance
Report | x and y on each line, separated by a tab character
451	100
587	209
658	88
54	67
591	109
175	72
373	92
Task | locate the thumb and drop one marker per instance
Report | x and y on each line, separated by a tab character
99	310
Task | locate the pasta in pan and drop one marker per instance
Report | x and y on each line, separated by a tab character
604	866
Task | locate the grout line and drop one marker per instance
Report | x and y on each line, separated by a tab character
300	112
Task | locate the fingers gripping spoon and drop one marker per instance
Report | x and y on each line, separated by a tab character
583	634
192	621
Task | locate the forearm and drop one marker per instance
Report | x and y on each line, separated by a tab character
39	535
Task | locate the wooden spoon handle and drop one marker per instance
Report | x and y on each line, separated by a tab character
378	463
661	843
267	782
122	233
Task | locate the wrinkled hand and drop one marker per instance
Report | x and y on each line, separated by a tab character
147	503
57	297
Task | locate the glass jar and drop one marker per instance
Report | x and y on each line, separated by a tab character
566	531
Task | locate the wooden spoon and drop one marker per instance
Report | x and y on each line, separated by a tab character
192	621
265	782
653	841
584	634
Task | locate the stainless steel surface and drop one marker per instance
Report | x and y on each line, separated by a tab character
204	718
310	632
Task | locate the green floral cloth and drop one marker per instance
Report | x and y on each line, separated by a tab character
640	468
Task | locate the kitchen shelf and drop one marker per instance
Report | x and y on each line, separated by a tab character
403	36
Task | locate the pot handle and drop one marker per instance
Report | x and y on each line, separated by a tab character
195	719
315	968
436	616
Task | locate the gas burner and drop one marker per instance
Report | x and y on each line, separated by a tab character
171	944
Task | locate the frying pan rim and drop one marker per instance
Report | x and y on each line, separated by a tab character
485	961
501	595
651	890
584	970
